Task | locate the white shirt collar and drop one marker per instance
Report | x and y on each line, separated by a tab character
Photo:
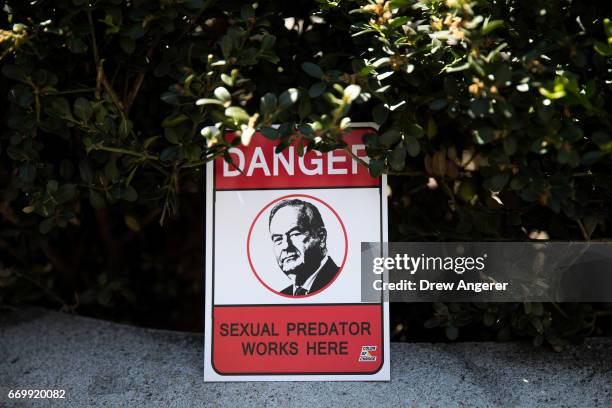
308	283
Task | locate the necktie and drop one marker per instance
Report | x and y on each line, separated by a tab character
300	291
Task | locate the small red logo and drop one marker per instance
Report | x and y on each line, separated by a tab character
366	353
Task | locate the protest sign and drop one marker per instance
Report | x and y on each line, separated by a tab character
282	265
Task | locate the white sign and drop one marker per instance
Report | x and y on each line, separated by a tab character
283	266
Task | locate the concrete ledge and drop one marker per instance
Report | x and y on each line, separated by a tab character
105	364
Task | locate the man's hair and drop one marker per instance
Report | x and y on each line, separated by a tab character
308	212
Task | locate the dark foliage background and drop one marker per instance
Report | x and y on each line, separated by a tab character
494	121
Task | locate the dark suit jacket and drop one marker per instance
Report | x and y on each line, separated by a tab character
325	275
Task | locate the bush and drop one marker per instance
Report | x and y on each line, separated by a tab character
494	124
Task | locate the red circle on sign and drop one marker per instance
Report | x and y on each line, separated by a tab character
249	245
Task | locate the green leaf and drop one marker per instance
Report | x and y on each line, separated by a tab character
602	140
169	153
345	123
96	199
270	133
123	192
247	12
111	27
210	131
304	108
499	181
384	75
317	89
510	145
171	98
268	103
441	309
590	158
226	45
412	146
76	45
397	158
82	109
432	128
288	98
86	171
571	134
193	152
65	193
396	107
267	42
466	191
111	171
208	101
150	140
13	72
132	223
60	107
432	323
603	49
172	121
568	156
16	153
269	56
351	93
130	194
52	186
438	104
382	62
415	130
27	173
305	129
312	69
247	134
401	3
222	94
237	113
227	80
489	26
399	21
135	32
452	332
46	225
608	27
22	96
390	137
376	167
380	114
125	127
484	135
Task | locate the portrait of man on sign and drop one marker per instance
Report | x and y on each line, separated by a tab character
299	239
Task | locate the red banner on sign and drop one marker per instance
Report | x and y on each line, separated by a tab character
285	339
262	168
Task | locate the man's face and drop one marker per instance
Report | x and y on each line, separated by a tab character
297	249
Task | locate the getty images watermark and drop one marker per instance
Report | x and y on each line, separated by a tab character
413	264
486	271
